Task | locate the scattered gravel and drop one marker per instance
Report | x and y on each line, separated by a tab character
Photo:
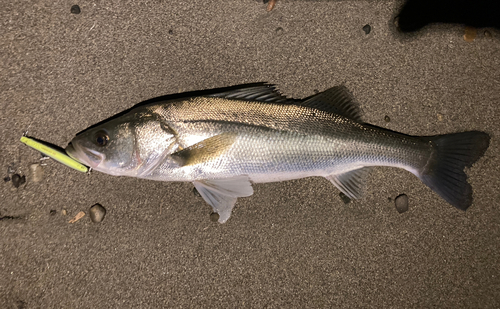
401	203
367	29
18	180
470	34
344	198
97	213
214	217
36	172
75	9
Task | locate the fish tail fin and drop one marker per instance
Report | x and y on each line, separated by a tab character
444	172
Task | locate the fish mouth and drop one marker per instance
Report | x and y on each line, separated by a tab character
84	155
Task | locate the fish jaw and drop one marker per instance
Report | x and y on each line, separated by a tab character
86	156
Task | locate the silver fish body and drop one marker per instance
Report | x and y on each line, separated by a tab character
226	141
276	142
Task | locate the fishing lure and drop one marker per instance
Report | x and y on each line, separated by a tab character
54	153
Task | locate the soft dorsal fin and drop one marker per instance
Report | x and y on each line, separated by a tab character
336	100
205	150
351	183
260	92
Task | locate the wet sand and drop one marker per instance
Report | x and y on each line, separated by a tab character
292	244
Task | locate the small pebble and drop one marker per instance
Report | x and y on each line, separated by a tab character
270	5
36	172
97	213
214	217
64	212
440	117
396	22
367	29
18	180
487	33
279	31
78	216
344	198
20	304
6	179
52	212
401	203
75	9
170	31
470	34
387	118
196	193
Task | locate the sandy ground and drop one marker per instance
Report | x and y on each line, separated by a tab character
292	244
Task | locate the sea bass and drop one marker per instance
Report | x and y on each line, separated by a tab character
224	141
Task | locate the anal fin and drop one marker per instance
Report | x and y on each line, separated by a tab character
351	183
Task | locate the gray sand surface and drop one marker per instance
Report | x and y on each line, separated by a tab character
291	244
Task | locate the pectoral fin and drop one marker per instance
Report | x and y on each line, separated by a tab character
351	183
205	150
221	194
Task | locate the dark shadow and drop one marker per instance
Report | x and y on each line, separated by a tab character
9	217
416	14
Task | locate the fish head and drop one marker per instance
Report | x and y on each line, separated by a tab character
124	146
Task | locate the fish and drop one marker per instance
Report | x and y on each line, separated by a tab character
226	140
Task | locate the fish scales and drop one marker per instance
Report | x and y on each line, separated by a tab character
281	138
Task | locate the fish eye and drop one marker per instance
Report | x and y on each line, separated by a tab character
101	138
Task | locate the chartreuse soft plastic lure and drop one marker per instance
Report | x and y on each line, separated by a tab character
54	153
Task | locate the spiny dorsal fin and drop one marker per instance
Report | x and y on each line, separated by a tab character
351	183
261	92
205	150
336	100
